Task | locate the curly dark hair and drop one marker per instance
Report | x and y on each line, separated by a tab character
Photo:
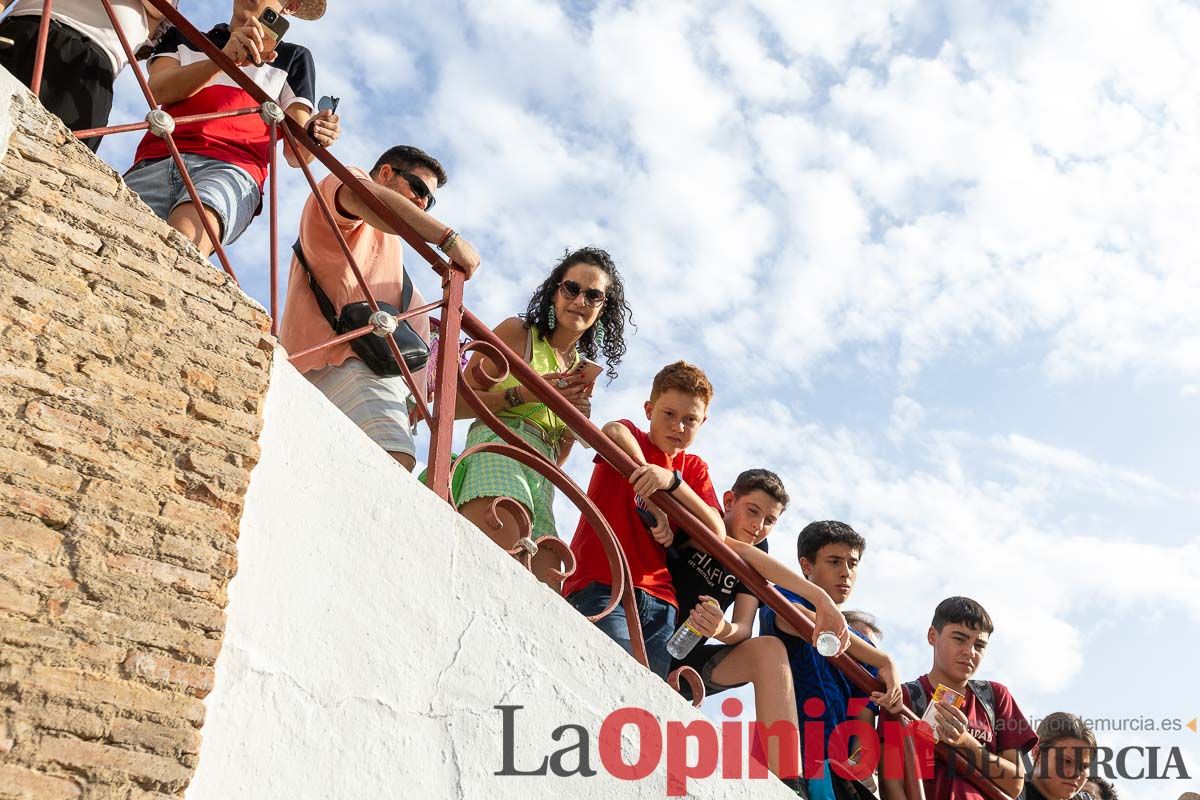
612	318
1107	790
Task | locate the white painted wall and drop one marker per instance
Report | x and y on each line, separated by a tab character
372	630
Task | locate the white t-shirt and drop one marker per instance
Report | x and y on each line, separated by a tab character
89	18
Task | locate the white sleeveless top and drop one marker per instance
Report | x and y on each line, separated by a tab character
88	17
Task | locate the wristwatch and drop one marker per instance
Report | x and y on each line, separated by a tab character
675	483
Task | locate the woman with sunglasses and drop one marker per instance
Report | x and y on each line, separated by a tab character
577	313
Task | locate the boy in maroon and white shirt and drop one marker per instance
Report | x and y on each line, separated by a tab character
989	730
226	158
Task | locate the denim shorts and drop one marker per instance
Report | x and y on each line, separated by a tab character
657	617
226	189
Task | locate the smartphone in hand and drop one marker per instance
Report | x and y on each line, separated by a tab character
589	369
275	25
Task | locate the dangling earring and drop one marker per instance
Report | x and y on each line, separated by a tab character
599	336
551	319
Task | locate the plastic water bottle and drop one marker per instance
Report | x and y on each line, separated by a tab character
684	640
828	643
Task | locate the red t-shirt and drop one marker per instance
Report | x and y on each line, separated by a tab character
1012	732
615	499
242	141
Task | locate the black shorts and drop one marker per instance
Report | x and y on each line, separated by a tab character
704	659
77	78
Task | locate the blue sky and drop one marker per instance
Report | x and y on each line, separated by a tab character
938	259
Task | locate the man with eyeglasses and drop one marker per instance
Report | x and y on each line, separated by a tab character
404	178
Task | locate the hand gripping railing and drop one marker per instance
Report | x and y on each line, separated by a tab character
450	384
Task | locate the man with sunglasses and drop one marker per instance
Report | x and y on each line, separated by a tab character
404	178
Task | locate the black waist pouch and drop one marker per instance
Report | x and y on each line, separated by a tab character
372	349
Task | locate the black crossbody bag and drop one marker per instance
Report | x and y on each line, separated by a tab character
372	349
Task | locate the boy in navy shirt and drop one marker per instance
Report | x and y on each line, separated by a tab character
829	554
705	589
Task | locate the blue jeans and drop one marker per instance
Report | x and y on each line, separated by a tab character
657	617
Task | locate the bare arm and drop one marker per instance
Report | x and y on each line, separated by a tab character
860	650
739	629
684	494
826	617
1008	771
688	498
462	253
709	620
623	439
1005	770
514	334
511	331
649	479
324	128
171	81
151	9
778	573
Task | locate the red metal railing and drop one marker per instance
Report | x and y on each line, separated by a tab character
39	61
449	384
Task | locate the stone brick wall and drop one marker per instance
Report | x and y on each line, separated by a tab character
132	375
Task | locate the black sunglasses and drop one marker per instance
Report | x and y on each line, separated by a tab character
571	290
420	189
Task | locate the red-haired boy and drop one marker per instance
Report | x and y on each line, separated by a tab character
677	407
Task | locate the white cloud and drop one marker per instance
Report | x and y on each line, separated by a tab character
941	529
907	415
795	191
847	176
1077	469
